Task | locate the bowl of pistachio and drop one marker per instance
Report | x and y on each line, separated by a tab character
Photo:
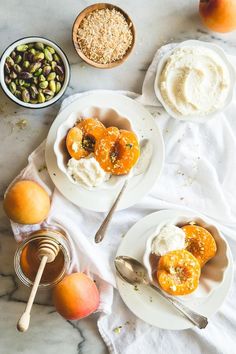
34	72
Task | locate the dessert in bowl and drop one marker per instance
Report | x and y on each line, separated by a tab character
194	81
96	147
187	257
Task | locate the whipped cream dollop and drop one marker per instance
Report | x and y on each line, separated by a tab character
87	172
194	81
170	238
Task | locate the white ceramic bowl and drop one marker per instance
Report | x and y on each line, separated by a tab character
60	52
223	56
109	117
213	272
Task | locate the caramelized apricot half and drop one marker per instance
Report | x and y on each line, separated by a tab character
81	139
200	243
117	151
178	272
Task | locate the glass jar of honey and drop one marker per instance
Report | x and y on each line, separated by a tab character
27	261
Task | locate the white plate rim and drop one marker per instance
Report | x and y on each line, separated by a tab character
138	186
128	294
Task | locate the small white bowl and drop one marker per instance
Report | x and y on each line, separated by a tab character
109	117
62	55
195	118
213	272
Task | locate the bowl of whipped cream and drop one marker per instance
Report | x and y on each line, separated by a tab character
87	172
194	81
169	236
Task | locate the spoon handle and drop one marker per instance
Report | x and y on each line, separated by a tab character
197	319
106	222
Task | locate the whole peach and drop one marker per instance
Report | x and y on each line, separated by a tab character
76	296
218	15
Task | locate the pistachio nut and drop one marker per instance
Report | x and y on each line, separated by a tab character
38	72
59	70
41	97
18	59
13	75
51	76
17	68
7	68
7	80
53	64
34	101
46	70
17	93
9	61
33	91
26	64
12	87
42	78
39	46
25	95
48	55
13	55
21	82
56	58
33	51
52	86
51	50
34	67
39	56
22	48
25	75
43	84
58	87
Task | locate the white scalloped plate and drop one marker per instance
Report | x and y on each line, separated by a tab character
142	123
146	303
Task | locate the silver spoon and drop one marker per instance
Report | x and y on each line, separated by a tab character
139	169
134	272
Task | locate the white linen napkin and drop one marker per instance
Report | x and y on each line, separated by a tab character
199	175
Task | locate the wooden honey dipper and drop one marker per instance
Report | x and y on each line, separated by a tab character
47	252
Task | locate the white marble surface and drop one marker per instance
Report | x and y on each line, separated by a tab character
157	22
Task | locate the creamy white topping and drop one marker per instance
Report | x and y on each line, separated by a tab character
87	172
170	238
194	81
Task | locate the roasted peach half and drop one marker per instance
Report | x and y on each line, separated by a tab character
200	243
178	272
117	151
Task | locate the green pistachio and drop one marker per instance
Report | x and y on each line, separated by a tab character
25	75
51	76
17	93
13	55
51	50
34	67
9	61
26	64
18	59
35	80
25	95
52	86
38	72
33	91
17	68
38	56
31	45
59	70
46	70
58	87
42	78
43	84
48	55
33	51
13	75
56	58
53	64
12	87
21	82
7	68
7	79
22	48
34	101
41	97
39	46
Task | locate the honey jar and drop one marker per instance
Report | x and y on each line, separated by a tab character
27	261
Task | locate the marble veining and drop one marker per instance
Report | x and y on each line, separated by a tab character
21	130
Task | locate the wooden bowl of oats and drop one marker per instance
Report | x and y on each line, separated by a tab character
103	35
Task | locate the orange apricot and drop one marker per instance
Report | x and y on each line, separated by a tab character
117	151
200	243
178	272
